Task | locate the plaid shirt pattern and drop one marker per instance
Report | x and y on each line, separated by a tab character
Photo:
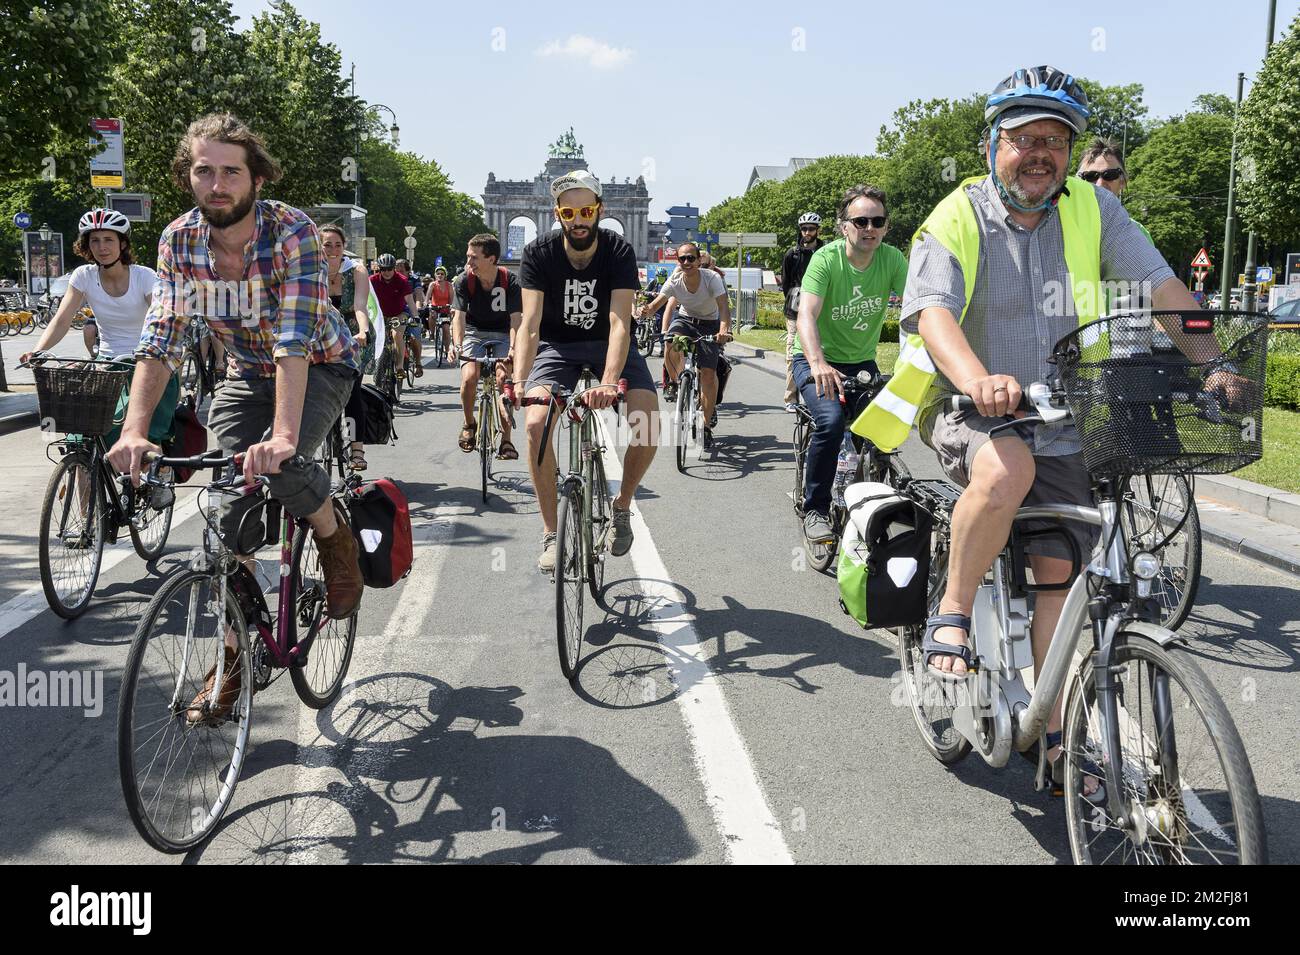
280	308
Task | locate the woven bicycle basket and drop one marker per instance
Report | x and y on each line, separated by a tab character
78	399
1167	392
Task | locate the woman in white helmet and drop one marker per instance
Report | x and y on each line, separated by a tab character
119	293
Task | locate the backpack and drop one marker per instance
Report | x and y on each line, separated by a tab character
471	281
884	564
381	524
189	437
370	415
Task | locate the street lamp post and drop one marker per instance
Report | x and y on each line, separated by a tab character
393	131
1230	225
1248	286
46	234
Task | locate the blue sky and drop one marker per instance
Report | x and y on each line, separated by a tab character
694	95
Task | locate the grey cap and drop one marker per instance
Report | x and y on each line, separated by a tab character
1019	116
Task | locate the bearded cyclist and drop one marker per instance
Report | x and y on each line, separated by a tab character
844	295
793	267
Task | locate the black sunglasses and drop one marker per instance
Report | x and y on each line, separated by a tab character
863	221
687	258
1110	175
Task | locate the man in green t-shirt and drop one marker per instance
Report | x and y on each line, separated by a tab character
845	292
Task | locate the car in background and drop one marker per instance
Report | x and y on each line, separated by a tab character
1287	313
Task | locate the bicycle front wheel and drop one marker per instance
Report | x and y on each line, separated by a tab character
71	546
1187	794
601	524
1154	505
438	344
179	764
800	443
685	417
932	702
570	566
486	440
319	679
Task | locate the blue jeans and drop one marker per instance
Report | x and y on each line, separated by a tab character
828	432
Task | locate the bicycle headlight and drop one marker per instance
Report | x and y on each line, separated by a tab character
1145	566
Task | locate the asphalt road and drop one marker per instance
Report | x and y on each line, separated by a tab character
727	709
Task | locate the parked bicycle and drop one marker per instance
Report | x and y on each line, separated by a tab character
585	510
180	755
868	462
1140	720
86	502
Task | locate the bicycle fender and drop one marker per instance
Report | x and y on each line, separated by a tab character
1161	635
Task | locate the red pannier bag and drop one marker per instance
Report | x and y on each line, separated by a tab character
381	524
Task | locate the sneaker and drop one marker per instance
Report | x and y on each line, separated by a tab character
162	497
546	563
232	676
670	393
708	438
621	542
791	407
343	583
713	419
817	528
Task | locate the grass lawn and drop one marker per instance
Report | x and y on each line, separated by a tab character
1280	465
773	339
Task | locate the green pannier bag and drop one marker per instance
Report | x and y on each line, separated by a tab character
884	563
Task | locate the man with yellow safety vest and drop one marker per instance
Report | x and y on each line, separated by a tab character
1003	267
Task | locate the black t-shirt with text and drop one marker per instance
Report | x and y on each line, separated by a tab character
576	303
490	307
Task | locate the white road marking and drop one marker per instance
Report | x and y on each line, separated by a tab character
30	604
751	834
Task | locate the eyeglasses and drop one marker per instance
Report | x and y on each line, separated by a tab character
863	221
687	258
568	212
1110	175
1025	143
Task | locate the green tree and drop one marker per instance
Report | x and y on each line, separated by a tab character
1178	186
1270	116
1216	104
53	59
1115	109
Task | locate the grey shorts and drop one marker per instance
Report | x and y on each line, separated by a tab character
706	353
476	343
956	438
242	414
560	364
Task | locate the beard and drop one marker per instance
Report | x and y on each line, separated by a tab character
583	243
1022	195
228	216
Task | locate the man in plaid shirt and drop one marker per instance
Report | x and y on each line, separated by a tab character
253	270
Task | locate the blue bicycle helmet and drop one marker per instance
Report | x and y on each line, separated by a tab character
1028	95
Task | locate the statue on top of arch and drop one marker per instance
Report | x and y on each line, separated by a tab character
566	147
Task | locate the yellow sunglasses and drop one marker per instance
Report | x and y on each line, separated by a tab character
568	212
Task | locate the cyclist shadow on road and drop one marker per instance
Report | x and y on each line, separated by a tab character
637	646
735	456
1262	632
400	771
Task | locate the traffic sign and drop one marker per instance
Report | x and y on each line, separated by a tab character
1202	260
437	262
708	238
1264	274
686	210
409	242
23	220
410	230
757	240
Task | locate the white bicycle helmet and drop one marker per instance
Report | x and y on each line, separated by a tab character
109	219
810	218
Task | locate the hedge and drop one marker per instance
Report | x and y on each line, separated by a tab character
1282	381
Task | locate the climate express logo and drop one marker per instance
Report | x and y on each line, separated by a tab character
858	309
77	908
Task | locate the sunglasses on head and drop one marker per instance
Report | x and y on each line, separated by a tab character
1110	175
863	221
568	212
687	258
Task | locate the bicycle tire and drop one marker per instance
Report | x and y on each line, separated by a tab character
800	443
1147	523
929	700
886	468
1164	812
149	527
411	364
171	696
486	440
438	336
569	567
600	520
319	681
685	414
191	377
89	539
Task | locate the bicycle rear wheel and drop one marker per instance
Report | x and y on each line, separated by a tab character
931	701
886	468
71	546
1154	505
178	777
149	525
1185	782
570	566
319	680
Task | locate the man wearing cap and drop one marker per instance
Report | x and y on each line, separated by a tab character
578	287
1004	267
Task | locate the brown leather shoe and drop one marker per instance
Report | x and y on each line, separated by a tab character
232	677
338	562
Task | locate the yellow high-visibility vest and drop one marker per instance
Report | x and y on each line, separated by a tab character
889	418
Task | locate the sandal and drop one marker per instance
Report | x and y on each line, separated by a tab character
1055	772
468	438
507	451
358	459
931	647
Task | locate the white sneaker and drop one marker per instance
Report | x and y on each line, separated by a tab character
546	563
